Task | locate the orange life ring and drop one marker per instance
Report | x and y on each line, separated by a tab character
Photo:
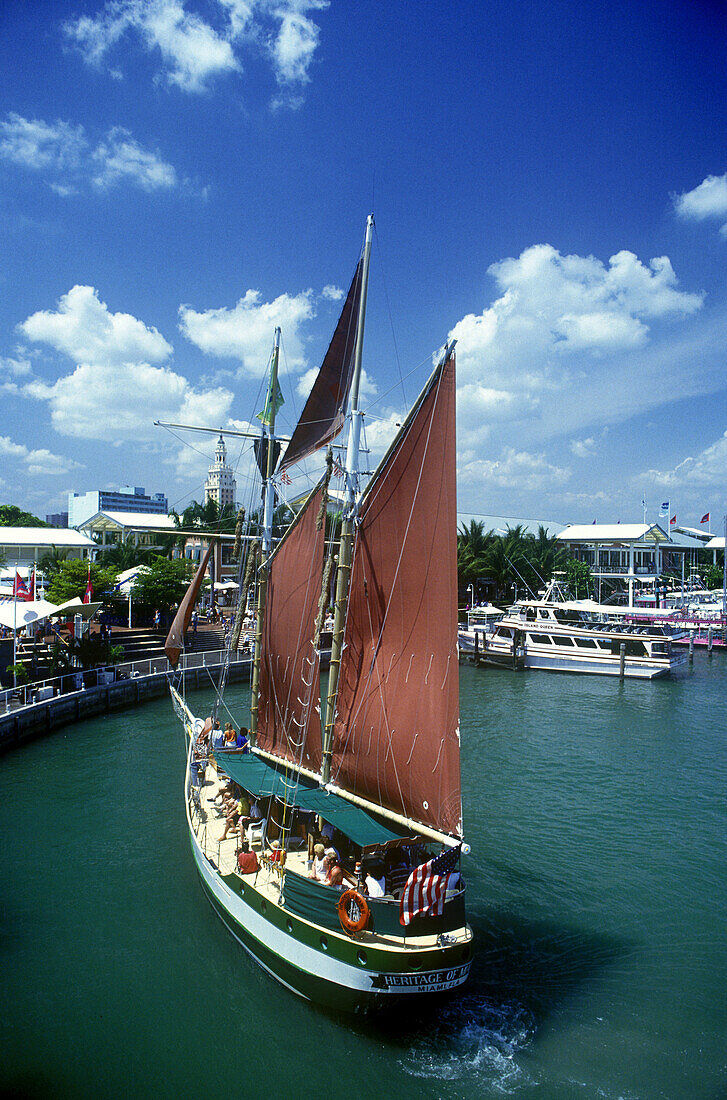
353	911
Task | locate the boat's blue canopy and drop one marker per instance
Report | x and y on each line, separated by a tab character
262	779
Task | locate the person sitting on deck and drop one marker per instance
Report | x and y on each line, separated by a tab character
247	860
241	740
276	855
234	811
320	868
230	736
334	874
373	881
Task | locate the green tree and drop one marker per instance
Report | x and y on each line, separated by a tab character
12	516
579	577
473	545
125	555
69	581
162	584
50	563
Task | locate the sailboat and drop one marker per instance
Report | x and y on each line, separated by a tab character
374	774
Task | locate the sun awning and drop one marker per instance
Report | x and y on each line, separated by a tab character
261	779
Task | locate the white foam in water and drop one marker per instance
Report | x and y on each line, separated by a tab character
474	1041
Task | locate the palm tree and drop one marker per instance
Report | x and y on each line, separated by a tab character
473	544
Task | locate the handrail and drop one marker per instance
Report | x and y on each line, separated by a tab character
40	691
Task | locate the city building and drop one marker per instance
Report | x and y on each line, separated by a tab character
112	528
57	519
22	547
220	485
81	506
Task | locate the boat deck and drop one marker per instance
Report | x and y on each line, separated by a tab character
208	823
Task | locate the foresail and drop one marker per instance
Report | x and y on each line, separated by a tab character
289	724
175	638
396	734
324	412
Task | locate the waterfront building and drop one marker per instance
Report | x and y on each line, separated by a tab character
24	546
632	553
82	506
57	519
220	485
111	528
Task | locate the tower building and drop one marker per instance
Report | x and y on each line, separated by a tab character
220	485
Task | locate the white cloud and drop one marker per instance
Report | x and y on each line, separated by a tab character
83	328
583	448
116	390
332	293
245	331
63	154
194	52
708	200
560	325
38	462
17	367
706	469
120	159
518	471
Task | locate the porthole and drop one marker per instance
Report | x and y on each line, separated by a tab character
289	925
362	958
324	943
264	905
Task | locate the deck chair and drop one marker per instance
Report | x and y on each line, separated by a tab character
255	834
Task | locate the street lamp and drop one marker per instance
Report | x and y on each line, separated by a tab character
471	590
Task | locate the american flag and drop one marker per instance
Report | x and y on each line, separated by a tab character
338	470
426	887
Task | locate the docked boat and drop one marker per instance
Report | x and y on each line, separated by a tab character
564	636
382	919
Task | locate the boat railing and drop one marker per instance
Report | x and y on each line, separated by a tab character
79	680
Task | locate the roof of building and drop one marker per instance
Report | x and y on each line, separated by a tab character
44	536
500	524
137	521
717	543
614	532
695	532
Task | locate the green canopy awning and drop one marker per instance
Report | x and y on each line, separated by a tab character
262	779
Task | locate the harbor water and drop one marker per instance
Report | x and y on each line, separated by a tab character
596	889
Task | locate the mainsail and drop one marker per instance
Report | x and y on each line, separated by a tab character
324	412
289	724
396	734
175	638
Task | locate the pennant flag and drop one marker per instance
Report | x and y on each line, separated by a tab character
705	518
664	510
284	478
31	586
20	588
673	520
272	403
338	470
89	587
426	887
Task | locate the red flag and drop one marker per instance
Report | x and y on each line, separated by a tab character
20	588
673	520
426	887
31	586
89	587
705	518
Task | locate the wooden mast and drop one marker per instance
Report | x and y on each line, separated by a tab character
267	536
346	545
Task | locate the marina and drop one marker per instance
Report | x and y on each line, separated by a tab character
595	810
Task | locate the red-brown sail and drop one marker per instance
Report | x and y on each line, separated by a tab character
175	638
324	412
396	734
289	724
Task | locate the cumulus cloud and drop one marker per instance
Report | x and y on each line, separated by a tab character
196	51
119	384
332	293
64	155
559	324
245	331
37	462
708	200
514	469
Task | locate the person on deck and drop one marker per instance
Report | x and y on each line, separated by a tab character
230	736
334	874
320	867
241	741
247	860
217	740
373	881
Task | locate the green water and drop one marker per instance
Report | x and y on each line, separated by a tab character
596	815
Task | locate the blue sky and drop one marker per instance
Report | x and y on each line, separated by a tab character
549	183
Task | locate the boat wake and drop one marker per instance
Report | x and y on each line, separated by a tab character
474	1041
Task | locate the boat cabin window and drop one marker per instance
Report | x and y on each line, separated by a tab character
562	639
566	616
530	613
586	643
632	648
544	613
503	632
540	639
